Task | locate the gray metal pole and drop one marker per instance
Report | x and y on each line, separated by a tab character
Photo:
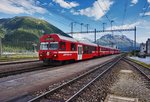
0	46
95	35
104	26
111	26
72	29
135	40
87	25
81	26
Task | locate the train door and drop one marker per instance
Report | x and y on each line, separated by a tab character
79	52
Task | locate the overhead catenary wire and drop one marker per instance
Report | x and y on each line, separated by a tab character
125	11
103	11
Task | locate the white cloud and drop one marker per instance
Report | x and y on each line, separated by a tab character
20	6
44	4
50	4
42	18
134	1
74	12
147	14
95	11
66	4
148	1
126	26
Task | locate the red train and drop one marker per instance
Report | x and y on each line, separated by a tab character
58	48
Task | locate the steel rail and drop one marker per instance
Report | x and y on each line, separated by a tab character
17	62
69	82
142	72
15	72
91	82
135	62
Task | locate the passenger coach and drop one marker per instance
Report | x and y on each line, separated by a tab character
58	48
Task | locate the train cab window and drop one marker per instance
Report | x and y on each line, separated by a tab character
53	45
73	47
62	46
44	46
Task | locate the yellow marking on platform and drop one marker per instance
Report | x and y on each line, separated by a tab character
126	71
113	98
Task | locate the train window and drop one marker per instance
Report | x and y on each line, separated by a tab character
62	46
44	46
85	49
73	47
88	49
94	48
53	46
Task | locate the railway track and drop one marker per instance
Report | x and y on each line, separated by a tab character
100	88
144	71
68	91
14	68
17	62
4	72
25	70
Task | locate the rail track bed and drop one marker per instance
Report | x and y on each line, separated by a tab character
19	67
117	78
15	68
22	85
68	89
17	62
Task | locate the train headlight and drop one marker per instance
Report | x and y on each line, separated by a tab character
48	53
55	55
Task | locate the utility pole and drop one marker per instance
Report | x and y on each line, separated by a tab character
135	40
111	26
112	32
81	26
72	28
104	26
95	35
87	25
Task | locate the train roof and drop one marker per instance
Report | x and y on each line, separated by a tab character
109	47
87	43
75	40
66	38
80	41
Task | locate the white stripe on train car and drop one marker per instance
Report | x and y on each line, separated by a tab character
68	52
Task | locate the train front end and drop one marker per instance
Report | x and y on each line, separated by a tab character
48	52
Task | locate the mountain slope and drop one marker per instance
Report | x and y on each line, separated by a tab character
23	31
121	41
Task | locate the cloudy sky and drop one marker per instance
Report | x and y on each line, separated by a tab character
60	13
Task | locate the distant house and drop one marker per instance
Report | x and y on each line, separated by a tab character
145	48
148	46
142	48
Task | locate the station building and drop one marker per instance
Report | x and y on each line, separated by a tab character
148	46
145	48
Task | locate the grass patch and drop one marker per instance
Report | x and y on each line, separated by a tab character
141	63
16	57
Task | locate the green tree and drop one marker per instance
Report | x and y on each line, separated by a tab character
2	32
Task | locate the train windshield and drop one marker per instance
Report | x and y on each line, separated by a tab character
49	46
44	46
53	46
